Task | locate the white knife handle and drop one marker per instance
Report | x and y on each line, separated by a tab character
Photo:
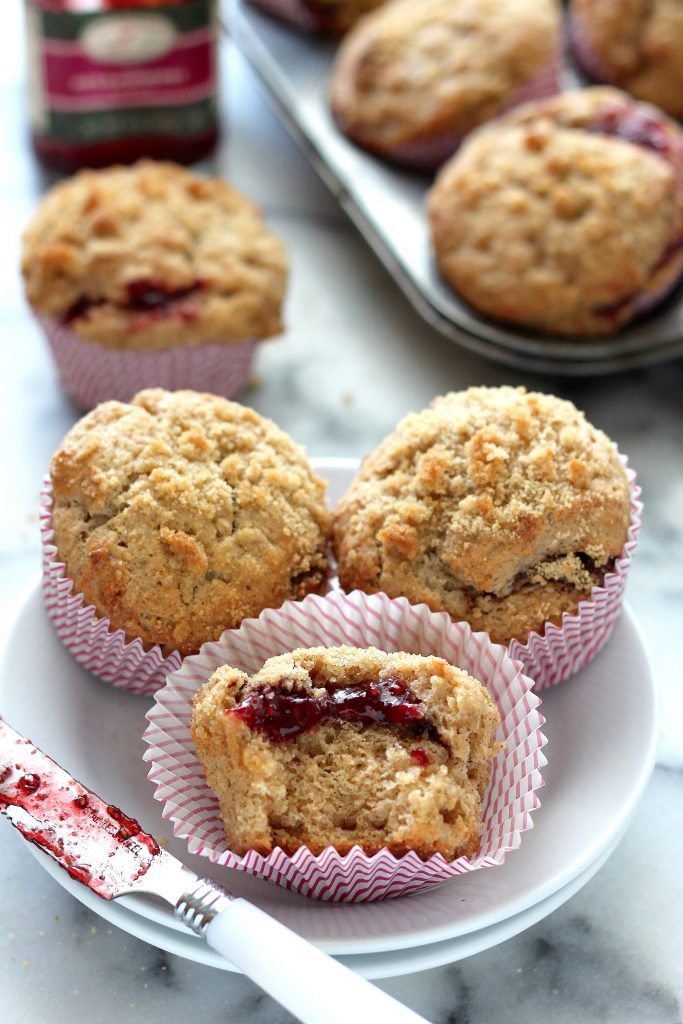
307	982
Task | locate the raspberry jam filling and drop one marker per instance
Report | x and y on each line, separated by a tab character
649	132
142	296
285	714
636	126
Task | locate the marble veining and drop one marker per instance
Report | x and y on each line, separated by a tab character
355	359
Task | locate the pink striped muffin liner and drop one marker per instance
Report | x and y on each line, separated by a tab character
104	652
360	620
564	650
431	153
92	373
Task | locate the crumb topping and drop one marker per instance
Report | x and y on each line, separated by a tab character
102	244
545	219
414	70
181	514
494	504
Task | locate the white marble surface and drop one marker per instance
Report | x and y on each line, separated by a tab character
354	359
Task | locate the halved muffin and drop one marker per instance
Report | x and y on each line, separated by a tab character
348	747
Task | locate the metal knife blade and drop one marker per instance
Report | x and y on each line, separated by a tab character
100	846
95	842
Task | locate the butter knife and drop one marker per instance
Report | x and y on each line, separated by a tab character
105	849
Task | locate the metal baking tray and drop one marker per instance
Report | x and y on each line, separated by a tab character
388	207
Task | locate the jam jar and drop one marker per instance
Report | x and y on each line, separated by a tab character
114	80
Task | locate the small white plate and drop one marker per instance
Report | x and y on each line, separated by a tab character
369	965
601	729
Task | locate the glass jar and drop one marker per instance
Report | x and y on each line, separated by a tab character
114	80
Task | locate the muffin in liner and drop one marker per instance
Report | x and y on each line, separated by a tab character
296	12
634	46
428	154
91	373
410	81
359	620
150	275
563	650
123	663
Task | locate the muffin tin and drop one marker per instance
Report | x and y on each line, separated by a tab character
387	205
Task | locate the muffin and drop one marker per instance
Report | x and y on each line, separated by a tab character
566	215
346	747
181	514
411	79
361	622
500	507
634	44
153	275
332	16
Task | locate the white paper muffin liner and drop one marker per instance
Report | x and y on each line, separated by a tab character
563	650
360	620
92	373
104	652
431	153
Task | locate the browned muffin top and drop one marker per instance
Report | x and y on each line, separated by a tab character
410	71
181	514
153	256
499	506
566	214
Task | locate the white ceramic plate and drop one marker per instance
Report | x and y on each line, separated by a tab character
601	728
369	965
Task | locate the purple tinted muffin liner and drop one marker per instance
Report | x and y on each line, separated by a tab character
93	373
296	12
103	651
564	650
644	303
359	620
585	52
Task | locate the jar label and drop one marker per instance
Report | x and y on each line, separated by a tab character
112	74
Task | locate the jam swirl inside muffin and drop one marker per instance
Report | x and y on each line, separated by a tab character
632	124
283	714
143	296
